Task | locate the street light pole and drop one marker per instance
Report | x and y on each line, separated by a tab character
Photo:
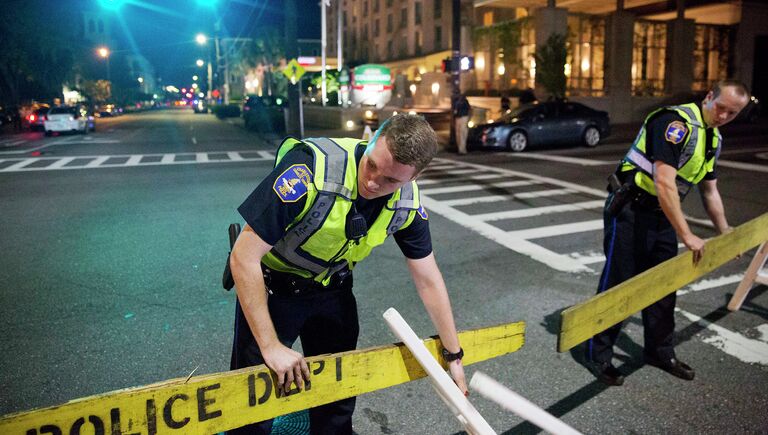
323	45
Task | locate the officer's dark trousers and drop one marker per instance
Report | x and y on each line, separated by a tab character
636	240
327	322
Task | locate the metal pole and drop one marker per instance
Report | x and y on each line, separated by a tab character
338	42
323	46
455	73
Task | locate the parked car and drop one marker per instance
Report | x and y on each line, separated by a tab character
36	119
264	114
64	119
542	124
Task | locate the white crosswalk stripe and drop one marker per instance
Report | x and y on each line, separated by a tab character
28	164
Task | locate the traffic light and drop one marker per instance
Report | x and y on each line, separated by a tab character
463	63
447	65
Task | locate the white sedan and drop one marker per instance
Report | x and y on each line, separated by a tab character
65	118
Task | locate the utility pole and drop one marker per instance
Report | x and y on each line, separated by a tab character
323	45
455	70
295	126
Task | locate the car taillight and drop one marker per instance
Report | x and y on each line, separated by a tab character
32	118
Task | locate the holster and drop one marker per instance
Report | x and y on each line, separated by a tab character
620	194
227	281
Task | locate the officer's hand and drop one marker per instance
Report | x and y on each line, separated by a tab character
457	373
696	245
289	366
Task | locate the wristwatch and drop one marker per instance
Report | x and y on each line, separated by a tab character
449	357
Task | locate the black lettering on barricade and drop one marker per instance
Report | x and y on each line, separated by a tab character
320	367
151	417
98	425
338	369
203	403
252	400
168	412
49	428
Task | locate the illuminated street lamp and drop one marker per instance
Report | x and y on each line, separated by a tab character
201	39
200	62
104	54
141	79
194	78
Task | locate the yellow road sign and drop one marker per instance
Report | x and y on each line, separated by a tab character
294	71
582	321
223	401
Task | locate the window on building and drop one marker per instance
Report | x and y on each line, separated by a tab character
101	26
649	49
419	43
365	7
711	55
390	50
403	52
503	64
344	20
389	23
403	18
376	27
438	8
488	18
438	38
417	13
389	3
375	5
584	68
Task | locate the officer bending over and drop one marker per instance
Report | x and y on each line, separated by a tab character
677	148
322	209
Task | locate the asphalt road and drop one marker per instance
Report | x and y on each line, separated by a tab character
110	267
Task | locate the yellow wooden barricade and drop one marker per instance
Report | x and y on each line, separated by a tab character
222	401
582	321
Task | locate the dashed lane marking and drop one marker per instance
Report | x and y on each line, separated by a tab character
128	160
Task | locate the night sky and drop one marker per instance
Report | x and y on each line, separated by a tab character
164	30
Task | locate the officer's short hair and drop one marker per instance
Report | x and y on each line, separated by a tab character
411	140
741	89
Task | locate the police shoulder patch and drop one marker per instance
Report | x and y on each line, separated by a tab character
422	212
675	132
293	183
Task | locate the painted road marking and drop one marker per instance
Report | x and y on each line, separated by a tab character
428	182
132	160
706	284
561	159
194	140
558	230
473	187
745	349
538	211
742	166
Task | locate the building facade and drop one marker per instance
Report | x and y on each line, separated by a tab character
623	56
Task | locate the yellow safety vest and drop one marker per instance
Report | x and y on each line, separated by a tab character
315	244
694	161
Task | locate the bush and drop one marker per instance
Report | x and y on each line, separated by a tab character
228	111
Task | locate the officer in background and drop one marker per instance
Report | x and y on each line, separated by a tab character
677	148
322	209
461	112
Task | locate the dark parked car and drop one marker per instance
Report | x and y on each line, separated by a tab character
265	114
542	124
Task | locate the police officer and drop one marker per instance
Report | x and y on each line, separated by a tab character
677	148
323	208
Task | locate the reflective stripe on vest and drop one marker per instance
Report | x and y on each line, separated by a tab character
687	175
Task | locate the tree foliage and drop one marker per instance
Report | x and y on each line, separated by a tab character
550	65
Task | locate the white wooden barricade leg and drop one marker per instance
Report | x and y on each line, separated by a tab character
518	404
460	406
754	275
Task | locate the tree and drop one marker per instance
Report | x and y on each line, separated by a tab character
266	50
550	65
98	91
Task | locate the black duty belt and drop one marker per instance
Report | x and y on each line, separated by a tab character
288	284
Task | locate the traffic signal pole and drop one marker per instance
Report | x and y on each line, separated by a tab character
294	126
455	70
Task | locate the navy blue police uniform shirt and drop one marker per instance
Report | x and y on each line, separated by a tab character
276	202
665	134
